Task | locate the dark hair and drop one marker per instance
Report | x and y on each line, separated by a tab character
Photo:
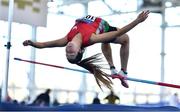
100	76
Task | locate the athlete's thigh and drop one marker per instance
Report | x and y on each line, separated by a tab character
102	38
121	39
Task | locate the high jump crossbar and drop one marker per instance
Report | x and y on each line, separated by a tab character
50	65
112	76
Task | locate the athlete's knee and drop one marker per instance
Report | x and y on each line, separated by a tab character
125	39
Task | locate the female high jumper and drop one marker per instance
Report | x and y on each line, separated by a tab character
90	30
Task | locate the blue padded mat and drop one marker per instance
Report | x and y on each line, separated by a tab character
88	107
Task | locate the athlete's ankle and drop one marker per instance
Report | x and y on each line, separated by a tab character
113	70
112	67
125	72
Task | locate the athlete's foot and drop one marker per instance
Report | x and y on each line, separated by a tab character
113	72
123	81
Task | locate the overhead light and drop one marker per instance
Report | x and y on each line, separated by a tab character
168	4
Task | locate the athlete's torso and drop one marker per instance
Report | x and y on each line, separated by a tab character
87	26
100	25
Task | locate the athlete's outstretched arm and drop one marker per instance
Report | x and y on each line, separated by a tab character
54	43
107	37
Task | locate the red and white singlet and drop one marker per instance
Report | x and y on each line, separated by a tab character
87	26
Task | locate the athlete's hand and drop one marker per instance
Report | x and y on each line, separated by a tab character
27	42
142	16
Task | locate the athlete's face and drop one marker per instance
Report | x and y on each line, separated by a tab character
71	50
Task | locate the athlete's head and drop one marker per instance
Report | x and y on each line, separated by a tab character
73	53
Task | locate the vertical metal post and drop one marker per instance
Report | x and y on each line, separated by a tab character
32	84
4	93
163	27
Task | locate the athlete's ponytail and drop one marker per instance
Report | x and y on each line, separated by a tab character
100	76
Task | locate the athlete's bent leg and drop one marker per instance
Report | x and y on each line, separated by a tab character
124	50
124	56
107	52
